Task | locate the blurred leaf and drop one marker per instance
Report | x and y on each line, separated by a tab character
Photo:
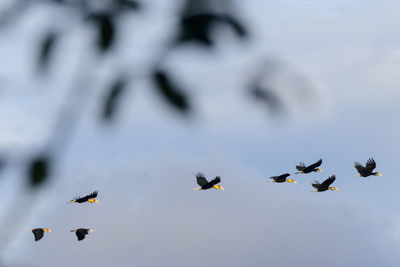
198	28
236	26
269	98
38	170
46	49
113	98
170	92
106	29
2	164
129	5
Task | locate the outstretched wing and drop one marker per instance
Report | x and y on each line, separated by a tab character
328	181
315	165
80	235
38	233
371	164
86	198
93	195
284	176
215	181
201	180
300	166
280	178
360	168
316	184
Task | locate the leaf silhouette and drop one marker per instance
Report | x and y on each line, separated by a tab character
174	96
38	170
105	29
236	26
128	5
46	49
113	98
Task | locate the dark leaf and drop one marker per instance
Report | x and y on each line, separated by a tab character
129	5
46	49
269	98
196	28
38	170
170	92
236	26
113	98
106	29
2	164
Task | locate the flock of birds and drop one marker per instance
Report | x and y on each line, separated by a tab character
80	232
363	171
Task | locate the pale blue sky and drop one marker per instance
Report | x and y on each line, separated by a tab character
144	164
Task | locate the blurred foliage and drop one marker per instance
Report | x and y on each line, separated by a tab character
38	170
198	21
105	29
113	98
170	91
46	49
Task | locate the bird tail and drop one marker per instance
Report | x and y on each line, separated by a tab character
197	188
73	230
298	172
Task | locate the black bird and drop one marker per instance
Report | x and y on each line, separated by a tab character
282	178
81	232
39	232
307	169
204	184
367	170
89	198
325	185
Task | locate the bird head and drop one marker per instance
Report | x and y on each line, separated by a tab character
47	230
333	188
291	181
378	174
90	230
217	186
93	200
319	170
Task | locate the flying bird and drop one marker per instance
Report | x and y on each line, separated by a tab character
367	170
325	185
307	169
282	178
81	232
89	198
39	232
204	184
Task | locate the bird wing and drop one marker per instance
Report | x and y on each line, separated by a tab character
215	181
284	176
280	178
80	234
38	233
86	198
329	181
201	180
300	166
360	168
93	195
371	164
315	165
316	184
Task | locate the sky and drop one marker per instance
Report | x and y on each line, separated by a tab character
144	163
